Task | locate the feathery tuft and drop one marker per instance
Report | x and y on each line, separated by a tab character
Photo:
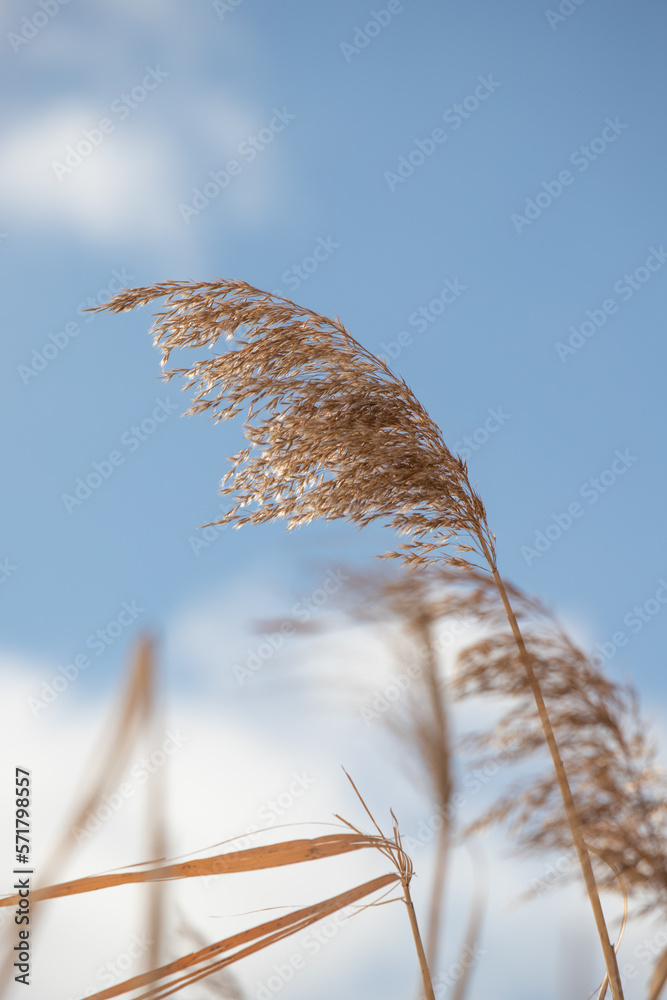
333	432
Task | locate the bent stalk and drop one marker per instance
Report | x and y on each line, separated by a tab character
564	786
423	964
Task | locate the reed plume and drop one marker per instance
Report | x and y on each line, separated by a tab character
335	434
607	749
606	744
413	605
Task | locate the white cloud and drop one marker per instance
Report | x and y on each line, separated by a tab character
128	185
223	779
128	190
123	187
233	772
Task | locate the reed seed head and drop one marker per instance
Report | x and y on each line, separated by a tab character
332	431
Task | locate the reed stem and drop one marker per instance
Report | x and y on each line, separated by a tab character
564	785
437	896
439	755
423	964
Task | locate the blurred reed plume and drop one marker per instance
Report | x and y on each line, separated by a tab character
607	748
406	605
606	745
135	717
411	607
338	435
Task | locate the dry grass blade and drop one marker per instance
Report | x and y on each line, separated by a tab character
216	956
223	984
334	433
156	823
254	859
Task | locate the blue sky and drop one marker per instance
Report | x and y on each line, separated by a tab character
482	183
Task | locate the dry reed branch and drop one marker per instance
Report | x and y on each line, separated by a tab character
191	968
215	957
253	859
338	436
573	819
170	978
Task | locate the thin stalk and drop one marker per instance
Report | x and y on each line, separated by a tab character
470	944
659	977
564	785
423	964
439	758
435	911
394	851
157	826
